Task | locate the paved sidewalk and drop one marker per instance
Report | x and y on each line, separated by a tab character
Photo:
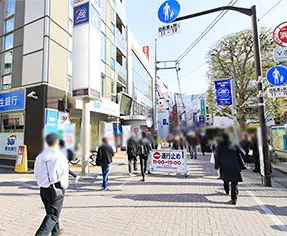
163	205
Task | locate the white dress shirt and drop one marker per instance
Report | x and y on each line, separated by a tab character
57	166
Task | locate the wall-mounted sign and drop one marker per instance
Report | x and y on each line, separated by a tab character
12	101
81	14
9	143
280	34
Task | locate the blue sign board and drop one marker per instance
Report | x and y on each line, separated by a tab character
81	14
194	117
51	122
164	122
168	11
12	101
277	75
223	92
201	119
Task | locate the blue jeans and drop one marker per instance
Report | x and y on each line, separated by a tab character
105	172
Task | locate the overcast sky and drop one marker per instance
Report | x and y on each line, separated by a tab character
170	48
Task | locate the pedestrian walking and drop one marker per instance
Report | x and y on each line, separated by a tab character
157	141
132	151
228	161
145	147
69	154
52	175
203	143
254	155
193	142
104	159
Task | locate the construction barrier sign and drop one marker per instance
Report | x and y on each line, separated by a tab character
21	164
169	160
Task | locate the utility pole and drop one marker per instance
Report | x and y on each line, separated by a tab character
261	105
155	116
252	13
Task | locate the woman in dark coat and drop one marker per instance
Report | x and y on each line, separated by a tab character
229	162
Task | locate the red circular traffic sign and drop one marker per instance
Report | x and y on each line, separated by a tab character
280	34
156	155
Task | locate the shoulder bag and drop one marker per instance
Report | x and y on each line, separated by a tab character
56	193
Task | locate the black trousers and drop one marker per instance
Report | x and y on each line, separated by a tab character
72	173
53	209
143	162
132	163
234	189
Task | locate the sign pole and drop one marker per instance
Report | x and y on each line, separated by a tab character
156	90
261	104
234	110
86	135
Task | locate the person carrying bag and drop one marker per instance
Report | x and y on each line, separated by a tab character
52	174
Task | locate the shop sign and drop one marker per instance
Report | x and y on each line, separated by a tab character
9	143
12	101
81	14
105	106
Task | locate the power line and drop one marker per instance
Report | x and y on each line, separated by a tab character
266	13
206	31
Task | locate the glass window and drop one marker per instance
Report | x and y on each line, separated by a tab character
69	85
71	9
9	25
71	27
113	63
113	28
70	64
103	47
8	41
10	7
70	44
103	9
6	81
113	15
95	19
12	123
8	57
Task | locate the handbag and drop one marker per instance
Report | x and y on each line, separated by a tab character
56	193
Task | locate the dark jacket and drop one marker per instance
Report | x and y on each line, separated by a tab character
132	147
145	147
192	140
105	155
228	161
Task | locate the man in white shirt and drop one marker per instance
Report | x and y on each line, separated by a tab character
51	167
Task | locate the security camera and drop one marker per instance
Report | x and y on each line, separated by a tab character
32	95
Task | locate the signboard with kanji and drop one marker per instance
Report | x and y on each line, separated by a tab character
277	92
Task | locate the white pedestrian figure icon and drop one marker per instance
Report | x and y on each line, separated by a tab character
166	11
276	76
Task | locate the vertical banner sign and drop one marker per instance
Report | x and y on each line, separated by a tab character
126	133
109	134
260	148
69	135
194	117
202	107
223	92
51	122
21	164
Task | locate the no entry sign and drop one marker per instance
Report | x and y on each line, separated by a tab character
280	34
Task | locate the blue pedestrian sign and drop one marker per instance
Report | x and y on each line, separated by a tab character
277	75
223	92
168	11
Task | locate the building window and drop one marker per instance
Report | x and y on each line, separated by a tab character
70	64
113	29
113	63
69	85
71	9
70	44
8	57
103	9
6	82
95	19
10	7
71	27
103	47
9	25
8	41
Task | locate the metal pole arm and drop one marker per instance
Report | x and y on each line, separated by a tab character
245	11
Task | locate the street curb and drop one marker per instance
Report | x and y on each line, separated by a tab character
278	168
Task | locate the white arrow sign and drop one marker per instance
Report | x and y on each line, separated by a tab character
280	54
